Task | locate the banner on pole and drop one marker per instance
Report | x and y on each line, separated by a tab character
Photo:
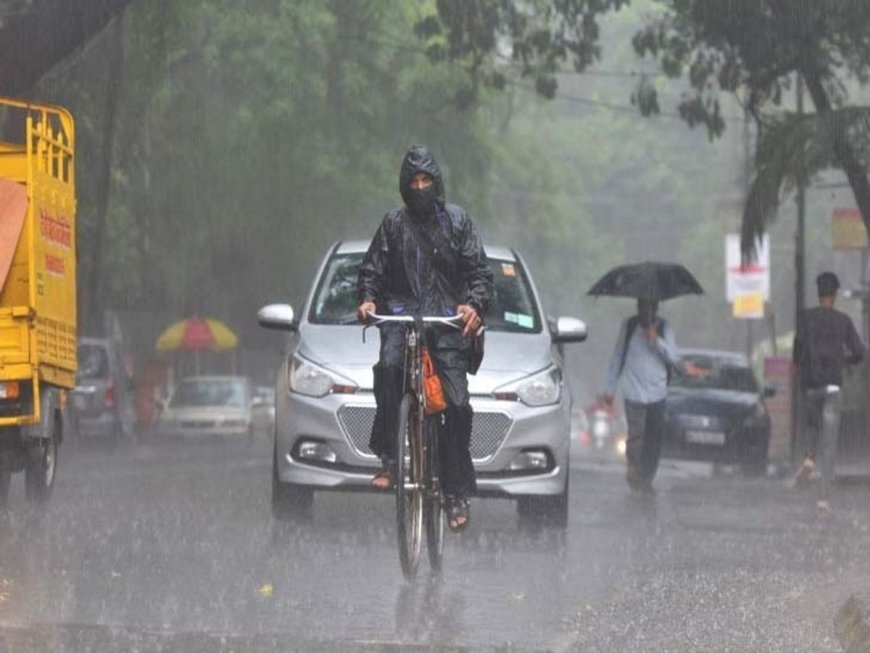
847	229
748	305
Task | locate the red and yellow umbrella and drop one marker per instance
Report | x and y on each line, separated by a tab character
197	334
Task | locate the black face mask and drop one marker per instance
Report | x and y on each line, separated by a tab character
421	201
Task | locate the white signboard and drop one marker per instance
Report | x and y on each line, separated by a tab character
750	279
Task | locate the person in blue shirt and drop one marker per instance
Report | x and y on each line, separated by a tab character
644	352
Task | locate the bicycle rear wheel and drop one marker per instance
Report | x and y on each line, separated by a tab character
434	501
409	488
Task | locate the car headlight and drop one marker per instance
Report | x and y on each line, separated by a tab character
541	389
306	378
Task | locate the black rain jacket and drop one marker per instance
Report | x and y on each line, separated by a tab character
401	274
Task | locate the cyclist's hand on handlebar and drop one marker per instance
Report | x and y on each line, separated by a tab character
469	317
364	309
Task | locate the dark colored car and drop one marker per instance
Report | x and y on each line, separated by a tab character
719	415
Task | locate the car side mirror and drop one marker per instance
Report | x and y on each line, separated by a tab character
277	316
569	329
768	392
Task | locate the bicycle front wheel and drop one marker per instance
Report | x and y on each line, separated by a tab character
409	486
434	501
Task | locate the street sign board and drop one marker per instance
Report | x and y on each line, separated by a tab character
748	305
847	229
747	284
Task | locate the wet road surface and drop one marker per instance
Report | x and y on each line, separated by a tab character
171	546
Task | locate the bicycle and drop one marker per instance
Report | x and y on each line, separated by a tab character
419	499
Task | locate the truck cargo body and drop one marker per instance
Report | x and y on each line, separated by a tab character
37	289
37	260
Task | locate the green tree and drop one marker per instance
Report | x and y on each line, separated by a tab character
750	48
755	49
248	136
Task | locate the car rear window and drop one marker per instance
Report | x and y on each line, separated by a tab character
93	362
512	308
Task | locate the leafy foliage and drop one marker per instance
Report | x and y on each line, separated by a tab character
536	37
250	135
748	48
753	49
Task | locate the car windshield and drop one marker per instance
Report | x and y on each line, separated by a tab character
716	374
209	392
512	307
93	362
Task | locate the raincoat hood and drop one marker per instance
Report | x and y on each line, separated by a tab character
420	159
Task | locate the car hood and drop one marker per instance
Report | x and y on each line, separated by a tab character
507	356
728	404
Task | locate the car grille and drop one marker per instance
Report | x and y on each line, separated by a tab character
488	430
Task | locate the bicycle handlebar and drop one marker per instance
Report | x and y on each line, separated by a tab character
452	321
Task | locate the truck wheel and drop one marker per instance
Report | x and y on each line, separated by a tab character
41	466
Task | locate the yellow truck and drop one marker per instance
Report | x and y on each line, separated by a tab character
37	290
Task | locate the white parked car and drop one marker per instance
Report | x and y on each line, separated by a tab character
208	406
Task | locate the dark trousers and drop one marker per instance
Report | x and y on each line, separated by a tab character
451	354
822	414
646	425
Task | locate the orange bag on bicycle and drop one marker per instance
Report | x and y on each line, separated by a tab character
433	393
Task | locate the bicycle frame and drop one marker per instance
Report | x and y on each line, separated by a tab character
418	491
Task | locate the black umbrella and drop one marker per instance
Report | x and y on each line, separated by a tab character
648	280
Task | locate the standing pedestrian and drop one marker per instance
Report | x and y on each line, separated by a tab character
825	341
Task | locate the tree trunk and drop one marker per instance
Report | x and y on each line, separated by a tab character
95	285
849	161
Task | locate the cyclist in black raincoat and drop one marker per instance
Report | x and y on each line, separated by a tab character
427	257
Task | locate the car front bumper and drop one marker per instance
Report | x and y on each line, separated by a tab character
502	431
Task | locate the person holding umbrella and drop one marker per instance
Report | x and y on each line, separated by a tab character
642	358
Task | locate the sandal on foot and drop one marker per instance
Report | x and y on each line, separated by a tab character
458	513
384	479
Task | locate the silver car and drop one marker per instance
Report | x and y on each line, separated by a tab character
325	406
102	401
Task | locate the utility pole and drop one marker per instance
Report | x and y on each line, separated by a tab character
799	284
747	166
799	257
